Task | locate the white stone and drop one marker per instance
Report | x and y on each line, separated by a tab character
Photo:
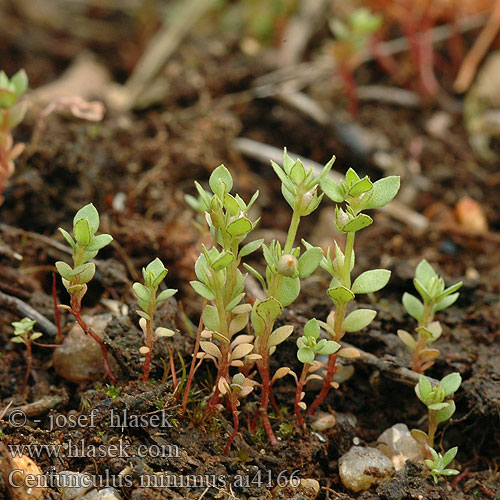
398	444
74	484
104	494
323	422
360	468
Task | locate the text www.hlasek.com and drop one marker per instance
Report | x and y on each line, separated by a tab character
81	449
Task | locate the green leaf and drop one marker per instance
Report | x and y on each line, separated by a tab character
231	205
407	339
88	212
155	267
283	177
450	290
309	261
269	310
332	189
422	290
100	241
211	318
351	177
371	281
166	294
446	302
329	347
413	306
7	98
65	270
297	173
305	355
234	302
359	222
449	456
340	294
446	413
239	227
222	261
202	290
384	190
425	273
437	406
312	329
141	292
290	199
82	232
358	320
289	290
360	187
255	273
20	82
17	114
221	181
86	273
451	383
68	238
250	247
280	335
423	389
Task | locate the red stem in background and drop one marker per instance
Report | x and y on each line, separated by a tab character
29	364
234	409
172	368
57	314
386	61
330	373
298	393
193	361
350	88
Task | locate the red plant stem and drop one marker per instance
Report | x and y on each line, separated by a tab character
426	62
75	310
298	393
172	368
193	361
263	367
350	88
330	373
234	409
386	61
29	364
147	358
57	314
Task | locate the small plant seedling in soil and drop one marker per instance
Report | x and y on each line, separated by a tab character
148	299
12	112
439	403
308	347
358	194
23	334
434	297
438	463
352	39
85	246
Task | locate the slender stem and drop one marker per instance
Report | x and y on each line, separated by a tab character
172	368
432	428
234	409
193	361
298	393
263	367
292	232
330	373
29	364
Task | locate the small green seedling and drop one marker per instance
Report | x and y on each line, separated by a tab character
85	246
357	194
148	299
12	112
24	334
439	404
352	39
309	345
437	465
434	297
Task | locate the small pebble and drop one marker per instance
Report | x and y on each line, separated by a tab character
104	494
80	358
360	468
323	422
74	484
398	444
470	215
29	468
308	489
